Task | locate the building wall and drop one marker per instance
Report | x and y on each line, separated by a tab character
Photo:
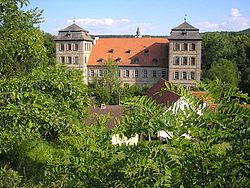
134	75
75	54
193	71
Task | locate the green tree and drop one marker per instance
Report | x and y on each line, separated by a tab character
50	46
224	70
21	43
45	104
107	88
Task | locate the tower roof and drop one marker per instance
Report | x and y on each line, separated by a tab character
185	26
73	28
185	31
73	32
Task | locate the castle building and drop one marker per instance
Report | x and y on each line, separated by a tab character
140	60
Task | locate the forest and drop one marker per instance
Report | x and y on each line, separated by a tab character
45	141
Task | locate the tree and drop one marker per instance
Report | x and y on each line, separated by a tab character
50	46
21	44
232	47
107	88
224	70
45	104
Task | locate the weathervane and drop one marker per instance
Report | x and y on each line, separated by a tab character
185	18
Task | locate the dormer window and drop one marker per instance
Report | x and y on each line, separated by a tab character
184	33
136	60
100	60
118	60
128	51
155	60
111	51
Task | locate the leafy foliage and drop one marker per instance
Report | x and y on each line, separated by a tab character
107	88
226	56
45	104
21	44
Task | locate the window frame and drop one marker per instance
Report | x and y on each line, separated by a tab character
154	74
184	77
76	47
136	73
92	73
76	60
163	74
145	73
176	75
126	75
192	75
185	46
184	60
175	60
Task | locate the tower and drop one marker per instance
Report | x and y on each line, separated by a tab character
184	55
73	47
138	33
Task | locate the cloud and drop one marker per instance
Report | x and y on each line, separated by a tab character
235	22
235	12
95	22
110	25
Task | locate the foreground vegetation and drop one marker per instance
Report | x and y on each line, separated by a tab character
44	142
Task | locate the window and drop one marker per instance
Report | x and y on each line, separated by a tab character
76	47
154	73
176	46
101	72
136	60
87	46
128	51
155	60
177	60
118	60
136	74
76	60
146	51
92	73
126	73
176	75
69	47
192	75
192	60
163	74
62	47
184	75
69	60
85	59
184	60
145	73
62	59
192	47
111	51
100	60
119	73
185	47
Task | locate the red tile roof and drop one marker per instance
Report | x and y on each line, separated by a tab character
164	97
150	51
114	113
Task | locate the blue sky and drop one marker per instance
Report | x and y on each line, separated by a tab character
154	17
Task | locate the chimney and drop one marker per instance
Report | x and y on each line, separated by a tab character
103	106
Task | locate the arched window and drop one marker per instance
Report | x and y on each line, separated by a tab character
136	60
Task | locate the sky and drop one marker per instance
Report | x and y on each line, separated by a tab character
153	17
